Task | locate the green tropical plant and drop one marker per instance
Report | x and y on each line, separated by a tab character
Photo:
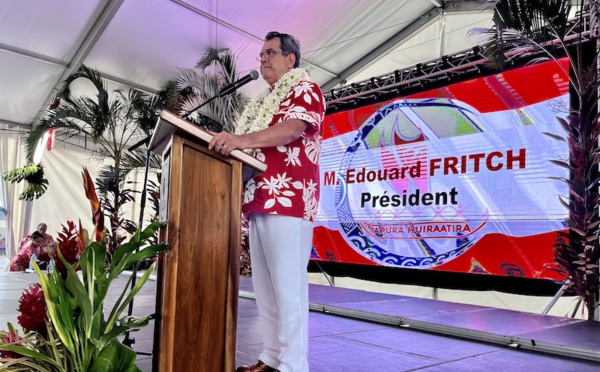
112	121
37	184
192	86
542	26
65	324
79	336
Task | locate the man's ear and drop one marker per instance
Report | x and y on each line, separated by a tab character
292	59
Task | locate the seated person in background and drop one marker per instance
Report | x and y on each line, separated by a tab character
20	261
41	228
52	254
34	258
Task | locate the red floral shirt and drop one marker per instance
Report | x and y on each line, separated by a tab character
20	261
290	185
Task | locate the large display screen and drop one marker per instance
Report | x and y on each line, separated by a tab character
455	179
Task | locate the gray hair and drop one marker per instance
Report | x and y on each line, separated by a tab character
289	45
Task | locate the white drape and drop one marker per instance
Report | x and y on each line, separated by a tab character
11	157
65	198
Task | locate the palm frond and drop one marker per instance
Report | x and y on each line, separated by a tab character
64	119
499	47
94	77
180	88
190	87
147	113
136	160
533	18
522	26
210	56
108	179
222	61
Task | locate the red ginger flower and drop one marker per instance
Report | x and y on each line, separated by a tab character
97	214
12	339
32	306
69	246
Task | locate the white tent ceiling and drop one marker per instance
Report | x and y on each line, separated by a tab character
141	43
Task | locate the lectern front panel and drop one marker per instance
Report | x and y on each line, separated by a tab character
200	276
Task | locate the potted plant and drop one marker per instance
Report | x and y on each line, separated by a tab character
37	184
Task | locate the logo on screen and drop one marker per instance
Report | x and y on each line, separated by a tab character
389	208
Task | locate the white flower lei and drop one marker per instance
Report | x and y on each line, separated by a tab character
259	113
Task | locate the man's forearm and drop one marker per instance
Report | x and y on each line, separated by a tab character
277	135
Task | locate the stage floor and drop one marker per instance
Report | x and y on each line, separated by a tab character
401	334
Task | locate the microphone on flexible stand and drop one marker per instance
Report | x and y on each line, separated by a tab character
139	143
253	75
228	89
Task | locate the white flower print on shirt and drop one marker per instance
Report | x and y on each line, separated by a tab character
249	192
305	89
293	156
279	188
297	111
311	205
312	148
311	186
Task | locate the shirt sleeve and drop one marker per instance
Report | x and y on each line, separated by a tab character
307	104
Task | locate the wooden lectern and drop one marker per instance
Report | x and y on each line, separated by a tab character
198	278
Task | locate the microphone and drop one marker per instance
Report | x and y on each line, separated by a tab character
230	88
253	75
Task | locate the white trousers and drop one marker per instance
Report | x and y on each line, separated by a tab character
280	249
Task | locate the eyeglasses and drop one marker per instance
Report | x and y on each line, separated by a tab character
267	54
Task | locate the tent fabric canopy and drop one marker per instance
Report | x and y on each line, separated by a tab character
140	44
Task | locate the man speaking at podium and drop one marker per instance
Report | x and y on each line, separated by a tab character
284	129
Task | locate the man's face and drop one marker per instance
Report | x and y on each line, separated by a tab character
273	64
42	228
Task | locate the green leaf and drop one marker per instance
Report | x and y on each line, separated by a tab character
123	251
130	259
151	230
92	260
19	174
29	353
114	357
57	312
136	242
81	296
119	307
127	324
